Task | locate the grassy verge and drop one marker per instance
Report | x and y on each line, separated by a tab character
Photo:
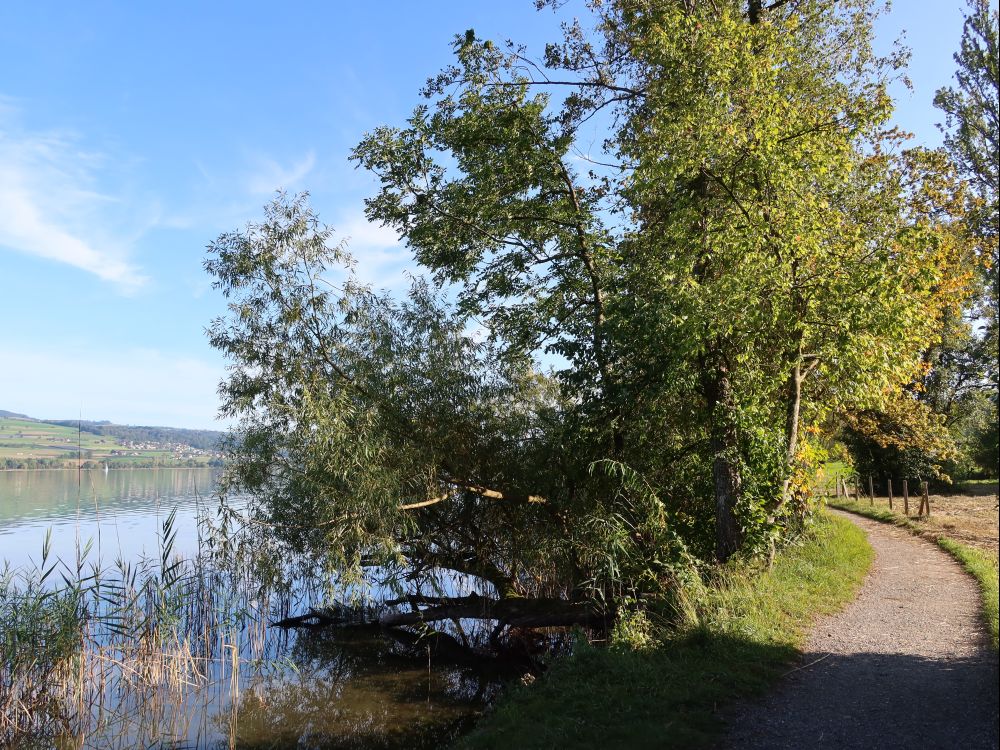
743	634
983	566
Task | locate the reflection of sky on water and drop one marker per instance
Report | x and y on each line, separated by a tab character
329	688
122	511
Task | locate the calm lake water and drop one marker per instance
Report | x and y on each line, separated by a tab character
122	512
329	688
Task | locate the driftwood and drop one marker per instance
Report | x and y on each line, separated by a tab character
312	619
516	612
321	618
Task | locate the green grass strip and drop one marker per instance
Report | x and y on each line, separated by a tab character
745	632
980	564
983	567
876	513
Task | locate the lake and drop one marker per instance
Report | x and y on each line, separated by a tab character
246	684
121	511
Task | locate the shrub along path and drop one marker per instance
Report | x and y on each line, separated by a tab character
907	664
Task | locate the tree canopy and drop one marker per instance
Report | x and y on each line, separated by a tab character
694	215
972	137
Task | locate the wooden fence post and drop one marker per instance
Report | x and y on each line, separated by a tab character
906	499
871	491
888	485
857	490
836	484
926	503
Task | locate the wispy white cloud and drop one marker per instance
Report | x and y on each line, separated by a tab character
269	175
228	194
360	232
51	206
382	259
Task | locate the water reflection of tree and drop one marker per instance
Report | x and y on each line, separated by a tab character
354	688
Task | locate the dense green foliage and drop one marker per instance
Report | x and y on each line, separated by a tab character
739	637
950	428
695	215
973	139
973	117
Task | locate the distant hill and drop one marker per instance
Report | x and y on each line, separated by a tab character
203	439
29	443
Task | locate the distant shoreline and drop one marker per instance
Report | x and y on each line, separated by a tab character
112	468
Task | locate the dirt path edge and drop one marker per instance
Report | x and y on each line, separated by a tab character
907	664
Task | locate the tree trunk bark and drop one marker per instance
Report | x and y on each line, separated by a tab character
792	408
726	476
718	392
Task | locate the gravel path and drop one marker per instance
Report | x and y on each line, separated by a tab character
906	665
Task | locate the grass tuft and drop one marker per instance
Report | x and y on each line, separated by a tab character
746	630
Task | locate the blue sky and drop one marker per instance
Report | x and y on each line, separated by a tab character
133	134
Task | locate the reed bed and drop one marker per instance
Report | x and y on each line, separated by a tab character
126	651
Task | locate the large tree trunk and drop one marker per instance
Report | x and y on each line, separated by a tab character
718	392
725	467
792	407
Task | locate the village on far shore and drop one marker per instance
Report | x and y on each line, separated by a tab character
27	443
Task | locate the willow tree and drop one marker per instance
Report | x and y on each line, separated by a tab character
356	411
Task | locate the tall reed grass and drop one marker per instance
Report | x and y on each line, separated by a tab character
126	650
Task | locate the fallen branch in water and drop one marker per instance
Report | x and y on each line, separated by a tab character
516	612
317	618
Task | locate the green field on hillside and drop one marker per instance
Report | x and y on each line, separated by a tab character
27	443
